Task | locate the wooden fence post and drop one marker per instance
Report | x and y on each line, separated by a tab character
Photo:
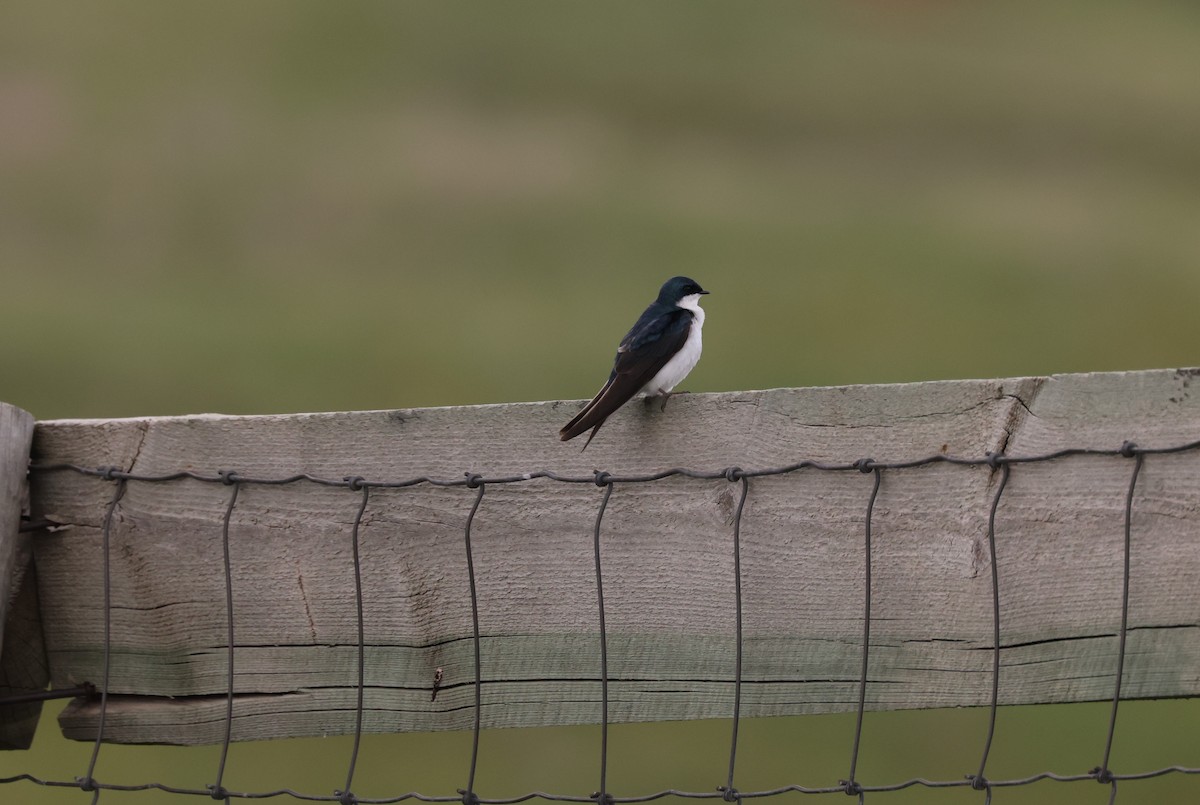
22	659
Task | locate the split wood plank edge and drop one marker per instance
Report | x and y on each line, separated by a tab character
22	660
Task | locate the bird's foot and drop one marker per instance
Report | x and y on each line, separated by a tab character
668	395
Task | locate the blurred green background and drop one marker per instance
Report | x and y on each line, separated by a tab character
298	206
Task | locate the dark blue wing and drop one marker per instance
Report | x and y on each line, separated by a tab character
644	350
650	343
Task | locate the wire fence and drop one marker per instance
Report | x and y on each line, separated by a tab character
851	785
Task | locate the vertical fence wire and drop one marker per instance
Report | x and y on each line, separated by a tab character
218	787
851	784
729	791
601	795
1103	773
979	781
468	794
88	781
346	794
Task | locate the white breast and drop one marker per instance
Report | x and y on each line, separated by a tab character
686	358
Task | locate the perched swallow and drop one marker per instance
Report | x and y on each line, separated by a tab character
654	356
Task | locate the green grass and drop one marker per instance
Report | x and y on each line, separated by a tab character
693	756
278	207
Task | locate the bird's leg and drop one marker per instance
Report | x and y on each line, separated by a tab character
661	396
668	395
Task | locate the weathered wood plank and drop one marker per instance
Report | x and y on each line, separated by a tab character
667	553
22	660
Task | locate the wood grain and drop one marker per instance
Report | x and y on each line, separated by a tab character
667	559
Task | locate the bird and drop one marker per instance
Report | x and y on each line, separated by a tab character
654	356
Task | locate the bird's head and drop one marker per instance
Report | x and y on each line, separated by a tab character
679	289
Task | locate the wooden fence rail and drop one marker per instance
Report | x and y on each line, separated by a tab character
668	559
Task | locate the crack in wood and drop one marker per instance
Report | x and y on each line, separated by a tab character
304	598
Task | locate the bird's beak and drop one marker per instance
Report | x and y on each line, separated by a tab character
705	292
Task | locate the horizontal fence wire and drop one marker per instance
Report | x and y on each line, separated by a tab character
728	791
